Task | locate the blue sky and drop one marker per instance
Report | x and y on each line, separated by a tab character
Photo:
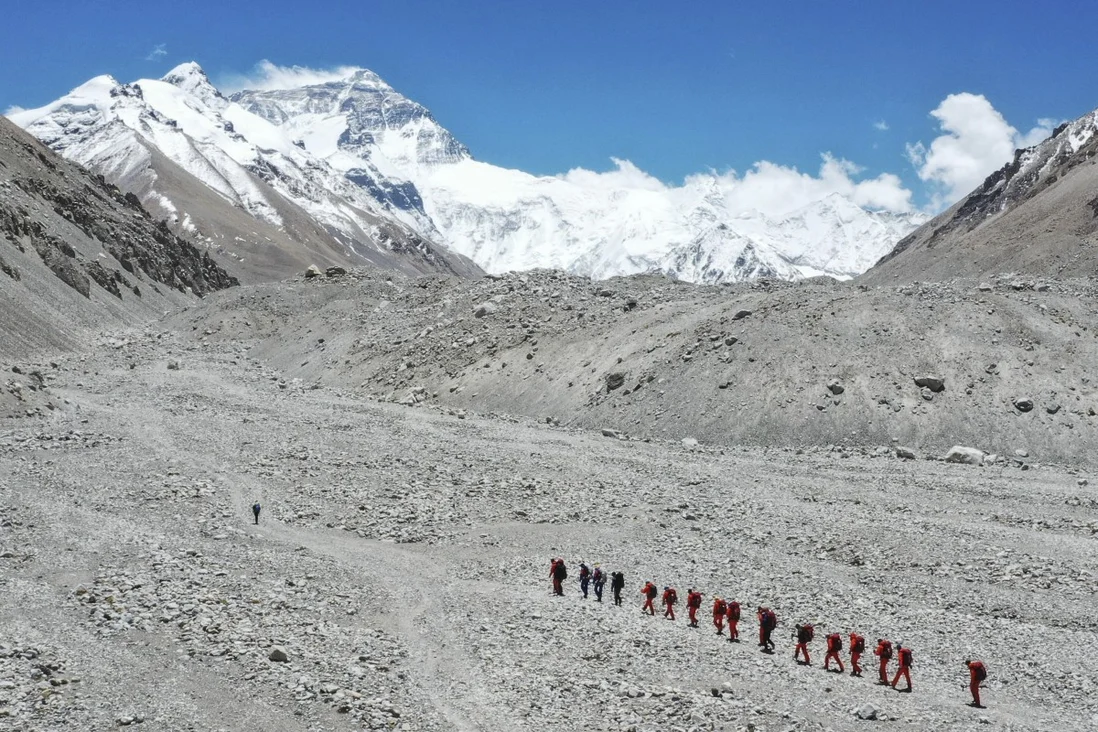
675	88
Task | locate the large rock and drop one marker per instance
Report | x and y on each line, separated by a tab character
966	455
335	271
835	387
741	314
607	432
866	711
312	271
1023	404
934	383
279	655
905	453
484	309
614	380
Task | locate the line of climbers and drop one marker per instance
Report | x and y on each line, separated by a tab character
729	611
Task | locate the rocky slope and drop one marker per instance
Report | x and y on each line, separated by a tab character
75	253
1037	216
768	363
214	170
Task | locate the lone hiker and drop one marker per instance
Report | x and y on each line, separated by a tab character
904	671
733	614
977	672
768	621
255	512
617	584
834	645
670	597
804	635
598	579
649	591
558	572
857	648
883	651
693	602
585	578
720	608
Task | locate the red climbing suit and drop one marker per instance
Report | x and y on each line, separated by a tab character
719	610
649	591
976	673
904	671
670	597
733	615
693	602
834	645
857	648
884	652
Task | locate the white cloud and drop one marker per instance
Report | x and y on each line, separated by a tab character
266	76
1040	132
13	109
159	52
772	189
976	141
881	126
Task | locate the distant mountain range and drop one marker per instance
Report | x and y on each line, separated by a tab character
353	171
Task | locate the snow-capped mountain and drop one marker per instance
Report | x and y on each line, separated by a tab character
363	161
127	132
506	219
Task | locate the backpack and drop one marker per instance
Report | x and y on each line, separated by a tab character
884	650
597	576
834	642
721	608
650	591
734	611
805	634
584	571
981	672
857	644
672	597
562	571
255	508
770	620
905	658
617	579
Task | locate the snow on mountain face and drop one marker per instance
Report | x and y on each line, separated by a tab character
356	145
509	220
114	129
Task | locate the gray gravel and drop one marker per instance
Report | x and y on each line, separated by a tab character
401	558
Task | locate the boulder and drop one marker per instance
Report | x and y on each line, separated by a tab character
966	455
614	380
173	365
934	383
312	271
1023	404
835	387
1052	408
485	308
906	453
741	314
335	271
866	711
278	654
607	432
689	443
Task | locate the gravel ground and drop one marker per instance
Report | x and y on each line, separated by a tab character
401	558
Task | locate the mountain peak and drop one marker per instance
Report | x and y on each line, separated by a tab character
188	70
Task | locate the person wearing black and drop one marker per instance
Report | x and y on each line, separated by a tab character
617	584
255	512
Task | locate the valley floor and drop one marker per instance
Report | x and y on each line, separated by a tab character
402	554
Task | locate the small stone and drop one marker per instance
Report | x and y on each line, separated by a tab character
173	365
689	443
905	453
835	386
278	654
867	711
1023	404
484	309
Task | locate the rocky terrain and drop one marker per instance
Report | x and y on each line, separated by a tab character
397	577
1005	365
77	255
